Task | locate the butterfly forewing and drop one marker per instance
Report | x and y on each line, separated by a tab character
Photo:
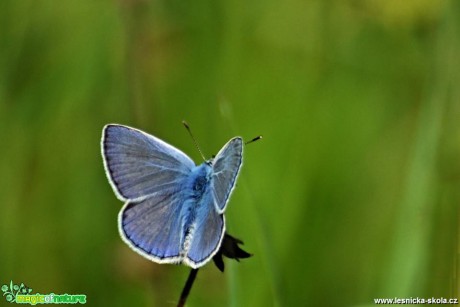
138	164
226	166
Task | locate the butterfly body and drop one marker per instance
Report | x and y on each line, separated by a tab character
198	181
197	202
173	210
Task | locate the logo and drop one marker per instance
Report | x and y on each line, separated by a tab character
21	294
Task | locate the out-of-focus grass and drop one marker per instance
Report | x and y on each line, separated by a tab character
351	195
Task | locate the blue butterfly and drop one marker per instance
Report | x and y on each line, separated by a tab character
173	210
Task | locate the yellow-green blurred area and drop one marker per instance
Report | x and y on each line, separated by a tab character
352	194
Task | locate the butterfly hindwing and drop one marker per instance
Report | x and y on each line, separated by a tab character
138	164
153	227
208	232
226	166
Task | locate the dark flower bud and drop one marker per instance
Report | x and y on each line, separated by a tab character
230	249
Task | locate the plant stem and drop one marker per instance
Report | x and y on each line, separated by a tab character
187	287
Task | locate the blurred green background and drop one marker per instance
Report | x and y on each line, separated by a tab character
352	194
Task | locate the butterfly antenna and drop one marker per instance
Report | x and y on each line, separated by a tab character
193	138
253	140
